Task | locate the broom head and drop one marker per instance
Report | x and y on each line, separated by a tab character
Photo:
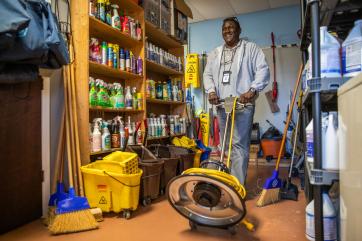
73	215
270	193
58	196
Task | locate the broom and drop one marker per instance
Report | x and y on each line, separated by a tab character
73	213
57	184
272	185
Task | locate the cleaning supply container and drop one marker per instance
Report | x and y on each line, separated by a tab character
110	189
271	147
352	51
170	163
152	168
186	155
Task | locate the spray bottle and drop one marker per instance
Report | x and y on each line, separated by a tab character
115	137
92	93
96	138
125	23
115	18
106	138
131	131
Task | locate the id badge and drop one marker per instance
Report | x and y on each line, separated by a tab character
226	77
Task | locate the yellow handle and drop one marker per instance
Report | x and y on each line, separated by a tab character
231	132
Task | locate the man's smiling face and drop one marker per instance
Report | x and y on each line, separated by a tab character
230	33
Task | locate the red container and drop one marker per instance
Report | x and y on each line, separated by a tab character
271	147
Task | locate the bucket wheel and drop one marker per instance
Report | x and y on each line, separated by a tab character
126	214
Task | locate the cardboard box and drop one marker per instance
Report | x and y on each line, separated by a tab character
165	15
152	11
179	23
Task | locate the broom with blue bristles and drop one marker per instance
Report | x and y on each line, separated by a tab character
272	185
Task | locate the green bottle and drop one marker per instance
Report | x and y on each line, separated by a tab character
102	96
112	95
92	93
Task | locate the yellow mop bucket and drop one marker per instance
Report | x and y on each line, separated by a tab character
107	188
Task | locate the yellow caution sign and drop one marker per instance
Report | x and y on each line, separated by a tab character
192	71
204	128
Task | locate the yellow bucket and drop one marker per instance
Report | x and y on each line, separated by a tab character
127	160
107	188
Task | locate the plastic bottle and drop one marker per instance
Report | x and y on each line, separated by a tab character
115	137
310	142
92	93
330	54
159	91
174	93
139	66
110	55
115	56
164	91
139	136
101	13
90	134
329	220
172	125
106	138
122	60
138	31
139	101
108	12
134	98
352	51
128	61
128	98
116	23
122	136
97	138
125	23
331	161
163	125
104	53
131	131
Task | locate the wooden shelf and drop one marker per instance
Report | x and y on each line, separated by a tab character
152	66
160	37
128	5
164	137
113	110
106	32
164	102
104	70
104	152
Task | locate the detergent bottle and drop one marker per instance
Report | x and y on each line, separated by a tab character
331	161
352	51
106	137
329	220
116	23
330	54
96	138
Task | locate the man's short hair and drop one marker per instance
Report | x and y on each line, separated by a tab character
232	19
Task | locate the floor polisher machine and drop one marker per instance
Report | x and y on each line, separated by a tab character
209	195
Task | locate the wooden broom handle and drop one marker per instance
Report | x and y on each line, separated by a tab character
289	117
67	129
58	174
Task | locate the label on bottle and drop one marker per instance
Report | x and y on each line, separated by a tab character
97	144
129	103
353	57
123	140
106	145
329	227
310	147
330	61
115	140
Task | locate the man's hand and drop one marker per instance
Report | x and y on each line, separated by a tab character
247	97
213	98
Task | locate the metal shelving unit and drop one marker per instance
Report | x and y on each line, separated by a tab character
339	17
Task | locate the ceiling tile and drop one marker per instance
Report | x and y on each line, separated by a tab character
282	3
211	9
197	16
247	6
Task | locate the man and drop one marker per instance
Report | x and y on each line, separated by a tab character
237	68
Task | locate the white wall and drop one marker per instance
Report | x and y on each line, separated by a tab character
287	66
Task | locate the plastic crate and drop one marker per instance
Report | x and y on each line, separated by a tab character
108	188
127	160
143	153
325	84
187	157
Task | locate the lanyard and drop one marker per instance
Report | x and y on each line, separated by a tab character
232	56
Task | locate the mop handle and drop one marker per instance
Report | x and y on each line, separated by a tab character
289	117
231	132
